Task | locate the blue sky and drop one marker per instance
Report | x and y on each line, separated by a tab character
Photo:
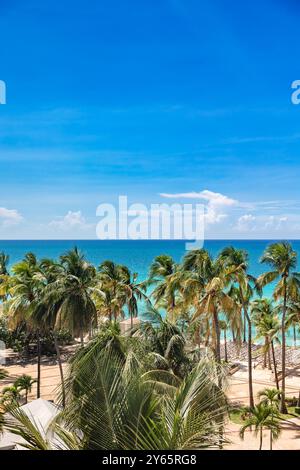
163	101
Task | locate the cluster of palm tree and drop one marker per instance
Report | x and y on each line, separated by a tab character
201	297
122	394
264	416
13	393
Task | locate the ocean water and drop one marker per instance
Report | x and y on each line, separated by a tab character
137	255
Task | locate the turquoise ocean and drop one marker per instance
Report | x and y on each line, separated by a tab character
136	254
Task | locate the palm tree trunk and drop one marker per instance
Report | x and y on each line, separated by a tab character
217	330
233	335
250	382
81	338
265	355
225	346
283	408
295	336
269	355
275	365
260	438
244	322
38	385
60	370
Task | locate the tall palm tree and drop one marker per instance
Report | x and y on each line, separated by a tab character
25	292
110	282
283	260
69	296
261	417
235	265
293	318
164	274
267	326
206	288
132	291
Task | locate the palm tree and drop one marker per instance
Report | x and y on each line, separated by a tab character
110	282
164	274
270	397
293	318
267	327
283	260
10	395
114	404
214	302
132	291
206	288
69	297
165	345
25	292
261	417
235	265
24	382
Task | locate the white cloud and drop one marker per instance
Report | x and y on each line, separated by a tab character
246	223
10	217
216	204
72	220
210	196
261	223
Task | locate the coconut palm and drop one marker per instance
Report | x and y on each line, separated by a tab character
235	266
110	282
164	274
206	288
165	345
261	417
293	318
283	260
24	383
214	302
10	395
267	326
132	291
69	296
117	404
271	398
26	290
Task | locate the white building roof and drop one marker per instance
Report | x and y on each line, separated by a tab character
41	412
